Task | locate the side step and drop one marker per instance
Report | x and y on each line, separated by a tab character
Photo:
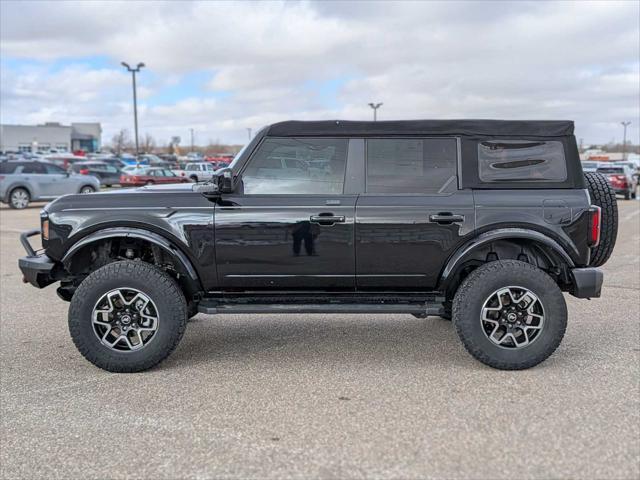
421	306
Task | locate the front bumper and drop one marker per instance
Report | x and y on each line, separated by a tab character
587	282
36	269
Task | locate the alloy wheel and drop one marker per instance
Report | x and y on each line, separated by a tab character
512	317
19	199
125	319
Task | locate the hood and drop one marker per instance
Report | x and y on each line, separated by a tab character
178	195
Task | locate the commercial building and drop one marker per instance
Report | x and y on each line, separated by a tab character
50	137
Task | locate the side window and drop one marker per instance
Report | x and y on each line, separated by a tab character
33	168
521	160
421	165
297	166
54	170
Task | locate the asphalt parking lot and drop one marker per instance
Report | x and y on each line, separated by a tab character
321	396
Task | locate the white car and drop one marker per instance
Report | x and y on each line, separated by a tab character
199	171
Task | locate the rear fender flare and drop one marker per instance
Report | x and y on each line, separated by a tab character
126	232
500	234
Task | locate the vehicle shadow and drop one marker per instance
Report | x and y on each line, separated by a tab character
347	339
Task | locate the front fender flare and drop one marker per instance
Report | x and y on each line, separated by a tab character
500	234
129	232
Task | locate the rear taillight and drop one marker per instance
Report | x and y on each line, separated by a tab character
84	171
595	220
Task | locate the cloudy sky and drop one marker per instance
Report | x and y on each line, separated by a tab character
222	67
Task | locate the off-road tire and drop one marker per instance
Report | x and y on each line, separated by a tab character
158	286
479	285
604	197
19	189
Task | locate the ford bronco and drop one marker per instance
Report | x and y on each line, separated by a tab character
484	222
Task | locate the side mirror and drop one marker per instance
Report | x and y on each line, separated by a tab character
226	181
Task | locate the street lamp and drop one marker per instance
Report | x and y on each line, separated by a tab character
375	107
624	139
249	133
135	98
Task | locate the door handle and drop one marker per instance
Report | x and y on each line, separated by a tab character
446	218
327	219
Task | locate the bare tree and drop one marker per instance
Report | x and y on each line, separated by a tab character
120	141
148	143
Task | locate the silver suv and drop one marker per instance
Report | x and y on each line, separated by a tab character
22	182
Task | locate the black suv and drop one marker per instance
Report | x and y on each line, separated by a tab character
484	222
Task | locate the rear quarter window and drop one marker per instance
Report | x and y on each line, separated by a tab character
7	168
521	161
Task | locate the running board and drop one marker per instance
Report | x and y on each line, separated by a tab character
432	306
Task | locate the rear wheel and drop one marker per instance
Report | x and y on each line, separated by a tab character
150	182
603	196
19	198
87	189
194	178
509	314
127	316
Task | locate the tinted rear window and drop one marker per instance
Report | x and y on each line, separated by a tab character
521	161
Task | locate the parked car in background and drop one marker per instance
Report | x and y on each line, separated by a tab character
168	157
220	160
150	176
25	181
635	169
200	171
151	160
128	159
64	161
115	162
622	179
590	166
107	174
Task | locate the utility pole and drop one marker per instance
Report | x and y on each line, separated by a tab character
191	130
135	99
375	107
249	133
624	140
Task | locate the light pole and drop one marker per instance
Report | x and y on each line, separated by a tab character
135	98
375	107
249	133
191	130
624	140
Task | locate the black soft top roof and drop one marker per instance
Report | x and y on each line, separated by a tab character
535	128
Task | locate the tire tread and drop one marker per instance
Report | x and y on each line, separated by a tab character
127	268
473	282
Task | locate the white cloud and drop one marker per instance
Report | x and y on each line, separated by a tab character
422	59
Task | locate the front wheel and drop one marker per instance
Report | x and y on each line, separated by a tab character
127	316
509	314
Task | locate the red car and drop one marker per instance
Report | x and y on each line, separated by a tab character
150	176
220	160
